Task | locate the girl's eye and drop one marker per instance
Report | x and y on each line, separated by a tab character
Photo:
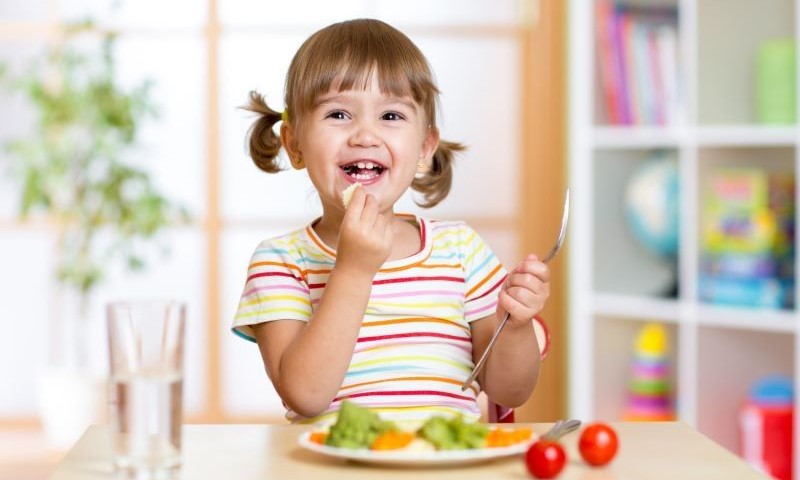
392	116
337	115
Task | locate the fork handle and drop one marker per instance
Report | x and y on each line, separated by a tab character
482	361
561	428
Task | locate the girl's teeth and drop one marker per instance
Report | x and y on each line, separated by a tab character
364	170
366	165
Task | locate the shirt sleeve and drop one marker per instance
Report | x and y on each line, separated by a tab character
484	275
275	289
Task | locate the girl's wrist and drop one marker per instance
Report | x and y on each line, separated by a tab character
352	274
516	324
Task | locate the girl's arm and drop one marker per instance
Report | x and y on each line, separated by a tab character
512	368
307	361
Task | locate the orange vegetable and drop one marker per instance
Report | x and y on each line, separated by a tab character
318	437
392	440
502	437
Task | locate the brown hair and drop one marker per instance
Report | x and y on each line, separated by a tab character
345	56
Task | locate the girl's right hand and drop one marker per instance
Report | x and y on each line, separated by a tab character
365	238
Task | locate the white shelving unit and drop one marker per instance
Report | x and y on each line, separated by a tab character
717	353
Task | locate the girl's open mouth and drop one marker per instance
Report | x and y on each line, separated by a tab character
363	170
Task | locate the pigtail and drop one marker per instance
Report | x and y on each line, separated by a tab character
434	185
263	143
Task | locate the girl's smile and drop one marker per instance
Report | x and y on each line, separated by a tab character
363	171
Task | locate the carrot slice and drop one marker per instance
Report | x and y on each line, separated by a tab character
501	437
318	437
392	440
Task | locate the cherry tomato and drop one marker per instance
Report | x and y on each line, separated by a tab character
598	444
545	459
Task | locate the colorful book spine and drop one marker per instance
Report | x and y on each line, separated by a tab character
637	63
609	81
618	45
734	265
667	42
654	57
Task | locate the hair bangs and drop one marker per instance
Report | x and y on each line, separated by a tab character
347	56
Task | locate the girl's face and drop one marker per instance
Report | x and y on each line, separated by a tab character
362	136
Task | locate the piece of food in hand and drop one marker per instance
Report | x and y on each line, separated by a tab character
347	193
598	444
545	459
356	427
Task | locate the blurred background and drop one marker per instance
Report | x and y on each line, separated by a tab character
125	175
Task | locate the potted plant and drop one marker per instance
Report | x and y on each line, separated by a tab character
71	169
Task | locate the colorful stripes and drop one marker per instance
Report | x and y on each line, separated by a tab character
414	349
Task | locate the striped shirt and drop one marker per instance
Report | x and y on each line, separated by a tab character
414	349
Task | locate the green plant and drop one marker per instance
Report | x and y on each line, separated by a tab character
71	167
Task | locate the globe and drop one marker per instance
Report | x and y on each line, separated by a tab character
651	205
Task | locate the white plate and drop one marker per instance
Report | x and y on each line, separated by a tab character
415	458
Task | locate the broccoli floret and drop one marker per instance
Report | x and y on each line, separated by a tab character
356	427
454	433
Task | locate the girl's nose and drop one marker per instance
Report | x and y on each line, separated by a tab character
364	135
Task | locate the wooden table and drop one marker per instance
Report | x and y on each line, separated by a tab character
259	452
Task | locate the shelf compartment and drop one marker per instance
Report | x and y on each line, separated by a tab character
614	341
621	265
729	35
729	361
741	266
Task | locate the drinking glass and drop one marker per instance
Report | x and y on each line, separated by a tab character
146	342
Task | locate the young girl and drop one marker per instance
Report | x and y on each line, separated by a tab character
387	310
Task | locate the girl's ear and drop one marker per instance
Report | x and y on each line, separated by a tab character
290	143
430	144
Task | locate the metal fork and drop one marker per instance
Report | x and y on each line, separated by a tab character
552	253
561	428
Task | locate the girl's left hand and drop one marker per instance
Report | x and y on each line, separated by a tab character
526	290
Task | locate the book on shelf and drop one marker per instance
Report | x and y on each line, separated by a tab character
737	218
747	292
610	70
734	265
658	82
637	58
667	59
781	203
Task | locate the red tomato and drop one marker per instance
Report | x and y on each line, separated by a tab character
545	459
598	444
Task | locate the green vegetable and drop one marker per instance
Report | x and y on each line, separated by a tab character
356	427
454	433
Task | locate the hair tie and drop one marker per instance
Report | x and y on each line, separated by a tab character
285	115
